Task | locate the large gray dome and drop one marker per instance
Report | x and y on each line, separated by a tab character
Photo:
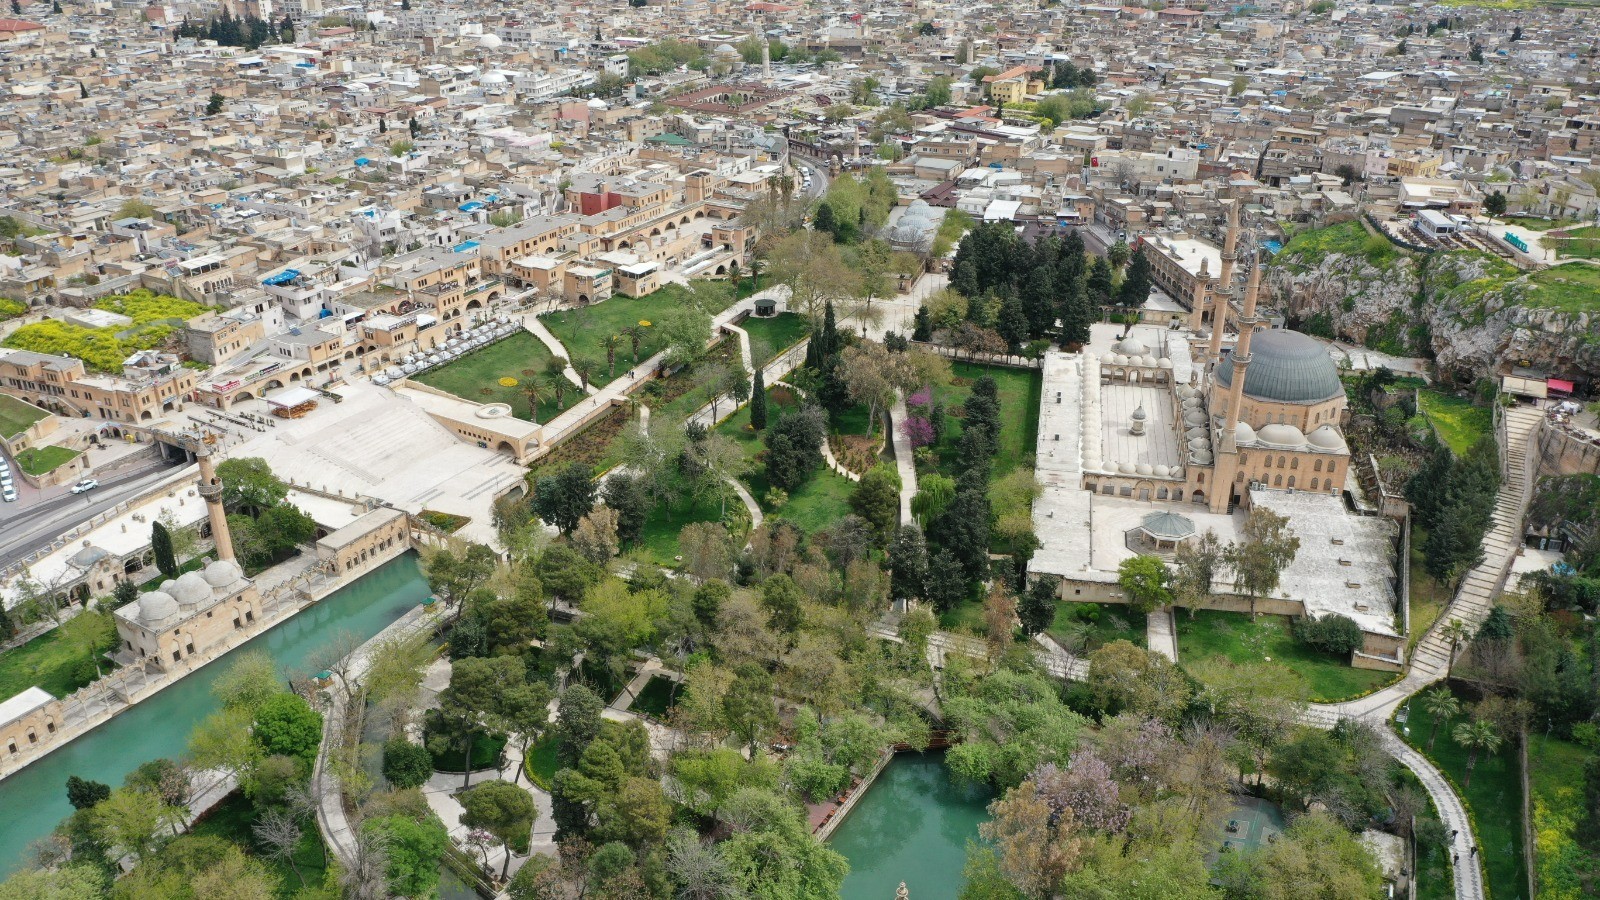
1286	366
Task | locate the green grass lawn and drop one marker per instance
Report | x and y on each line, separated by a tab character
1572	288
965	617
16	416
582	330
1086	627
1580	243
773	335
1019	391
231	820
659	537
50	662
1428	597
1536	224
40	460
822	500
691	388
1555	780
541	763
476	377
1495	798
1456	420
657	698
194	563
1212	633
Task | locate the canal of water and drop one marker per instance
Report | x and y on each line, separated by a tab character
912	826
35	799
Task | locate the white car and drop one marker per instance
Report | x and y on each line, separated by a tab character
84	486
9	494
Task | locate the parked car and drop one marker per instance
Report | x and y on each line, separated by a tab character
9	494
84	486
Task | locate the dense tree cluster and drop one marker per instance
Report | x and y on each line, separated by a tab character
248	32
1453	498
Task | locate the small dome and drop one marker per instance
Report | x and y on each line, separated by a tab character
1177	472
156	607
1125	468
492	78
1139	414
1185	392
918	207
725	50
1132	346
1199	443
1162	471
1201	457
190	589
1144	469
1326	438
1196	431
1163	363
1147	361
222	573
167	586
1279	434
1194	417
489	41
1191	403
1116	359
1244	434
596	103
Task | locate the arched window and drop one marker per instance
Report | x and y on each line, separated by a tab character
1266	463
1314	483
1278	482
1280	462
1244	459
1294	463
1317	467
1291	481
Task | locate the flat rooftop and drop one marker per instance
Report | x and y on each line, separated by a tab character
1346	562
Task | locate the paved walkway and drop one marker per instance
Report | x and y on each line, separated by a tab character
1159	634
537	328
904	458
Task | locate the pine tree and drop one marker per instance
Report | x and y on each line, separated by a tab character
55	7
1075	316
830	332
16	8
416	130
824	220
161	547
1099	282
383	126
1135	288
83	90
758	402
923	330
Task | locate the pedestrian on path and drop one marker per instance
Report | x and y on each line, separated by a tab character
1474	849
1455	858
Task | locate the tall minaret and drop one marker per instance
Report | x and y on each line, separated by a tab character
1247	323
1223	299
766	56
211	492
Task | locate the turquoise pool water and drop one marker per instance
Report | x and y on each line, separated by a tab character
35	799
913	826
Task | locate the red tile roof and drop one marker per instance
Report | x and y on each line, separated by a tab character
15	25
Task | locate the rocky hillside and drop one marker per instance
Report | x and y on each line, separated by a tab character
1470	311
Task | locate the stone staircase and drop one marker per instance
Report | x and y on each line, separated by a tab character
1474	598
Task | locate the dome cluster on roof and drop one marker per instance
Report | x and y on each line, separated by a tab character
156	607
915	228
1281	436
1285	366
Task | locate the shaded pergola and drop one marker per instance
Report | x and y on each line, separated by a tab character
1162	532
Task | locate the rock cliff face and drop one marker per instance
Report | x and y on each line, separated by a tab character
1469	311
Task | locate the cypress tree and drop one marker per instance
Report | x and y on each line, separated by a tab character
923	330
161	546
830	332
758	402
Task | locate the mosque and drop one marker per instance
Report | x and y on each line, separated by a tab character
1155	433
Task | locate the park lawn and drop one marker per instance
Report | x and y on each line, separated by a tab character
1086	627
1580	243
477	375
1494	798
1555	783
683	393
542	763
656	699
659	537
1536	224
773	335
16	416
48	661
42	460
231	821
1233	636
1570	287
1019	391
581	330
822	500
965	617
1456	420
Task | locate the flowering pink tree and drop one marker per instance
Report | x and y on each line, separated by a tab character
918	431
1086	788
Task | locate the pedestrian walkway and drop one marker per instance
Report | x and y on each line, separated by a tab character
557	349
1159	634
904	458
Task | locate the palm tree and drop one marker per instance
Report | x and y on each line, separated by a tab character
1442	706
558	384
536	394
611	342
635	334
1455	632
1477	736
583	367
